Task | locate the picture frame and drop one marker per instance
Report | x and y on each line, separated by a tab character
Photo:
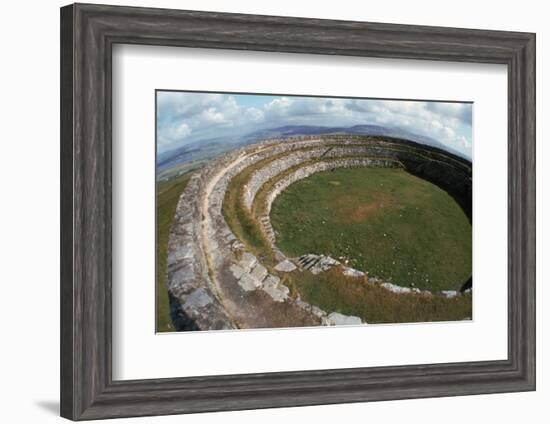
88	33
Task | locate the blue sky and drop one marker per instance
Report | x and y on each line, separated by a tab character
185	117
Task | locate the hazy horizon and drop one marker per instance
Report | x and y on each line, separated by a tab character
187	117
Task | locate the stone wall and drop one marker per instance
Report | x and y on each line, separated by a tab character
192	303
213	282
307	171
278	166
199	228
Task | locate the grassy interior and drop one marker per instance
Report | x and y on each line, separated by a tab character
168	193
393	225
333	291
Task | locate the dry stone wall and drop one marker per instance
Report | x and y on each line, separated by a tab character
192	303
305	172
278	166
215	283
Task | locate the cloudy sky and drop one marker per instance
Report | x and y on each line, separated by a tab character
184	117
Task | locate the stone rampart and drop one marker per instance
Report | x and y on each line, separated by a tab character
214	283
305	172
278	166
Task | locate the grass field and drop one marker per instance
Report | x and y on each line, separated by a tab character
395	226
334	292
168	193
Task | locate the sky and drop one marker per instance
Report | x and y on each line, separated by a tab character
186	117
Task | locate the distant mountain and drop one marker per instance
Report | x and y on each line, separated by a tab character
293	130
205	149
198	151
366	129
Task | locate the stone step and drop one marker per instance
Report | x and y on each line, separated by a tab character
309	260
285	266
273	287
248	261
311	264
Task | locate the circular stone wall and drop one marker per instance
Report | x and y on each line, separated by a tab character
224	270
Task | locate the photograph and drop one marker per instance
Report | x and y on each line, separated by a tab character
286	210
275	212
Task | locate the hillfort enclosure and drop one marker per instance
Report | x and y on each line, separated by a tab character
323	229
313	247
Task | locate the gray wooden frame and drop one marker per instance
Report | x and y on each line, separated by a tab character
88	33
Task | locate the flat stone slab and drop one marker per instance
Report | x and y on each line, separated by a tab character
248	261
395	288
236	270
278	294
271	281
259	273
351	272
285	266
248	283
198	299
336	318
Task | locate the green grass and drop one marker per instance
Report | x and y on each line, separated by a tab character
168	193
395	226
334	292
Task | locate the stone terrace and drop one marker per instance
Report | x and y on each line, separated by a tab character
215	283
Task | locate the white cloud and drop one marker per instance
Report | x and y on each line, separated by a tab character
184	117
181	131
452	111
278	108
213	115
182	114
255	114
440	121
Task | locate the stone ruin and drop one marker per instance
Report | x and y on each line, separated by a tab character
214	283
